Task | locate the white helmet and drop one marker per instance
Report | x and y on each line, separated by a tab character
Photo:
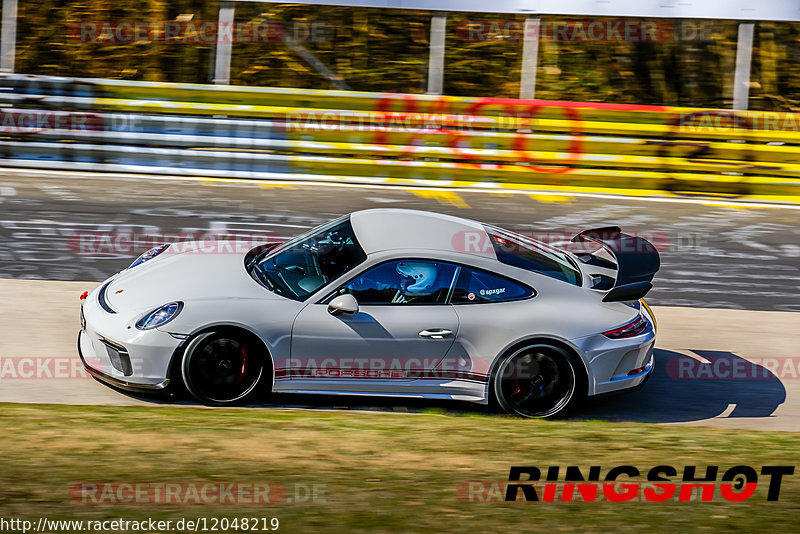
418	277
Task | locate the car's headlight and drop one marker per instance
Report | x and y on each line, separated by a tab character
149	255
159	316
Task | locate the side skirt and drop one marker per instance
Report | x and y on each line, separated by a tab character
462	390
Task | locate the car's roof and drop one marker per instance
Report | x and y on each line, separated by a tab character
394	229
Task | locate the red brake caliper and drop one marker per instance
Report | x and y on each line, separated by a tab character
244	364
517	390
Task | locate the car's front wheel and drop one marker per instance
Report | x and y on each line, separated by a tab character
222	368
539	380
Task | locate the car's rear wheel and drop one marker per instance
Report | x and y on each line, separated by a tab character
222	368
539	380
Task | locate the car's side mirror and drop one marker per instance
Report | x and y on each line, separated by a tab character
343	304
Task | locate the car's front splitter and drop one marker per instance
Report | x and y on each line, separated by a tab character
84	345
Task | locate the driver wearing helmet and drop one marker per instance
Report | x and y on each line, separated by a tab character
417	279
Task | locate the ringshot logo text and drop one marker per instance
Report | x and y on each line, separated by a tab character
626	483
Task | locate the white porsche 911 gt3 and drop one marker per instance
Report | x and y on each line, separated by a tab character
385	302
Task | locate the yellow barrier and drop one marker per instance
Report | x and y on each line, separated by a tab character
429	104
457	140
691	148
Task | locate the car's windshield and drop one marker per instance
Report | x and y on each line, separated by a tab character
514	249
308	262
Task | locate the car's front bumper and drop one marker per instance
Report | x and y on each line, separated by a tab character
84	344
114	351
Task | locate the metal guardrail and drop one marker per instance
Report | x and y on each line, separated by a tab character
242	132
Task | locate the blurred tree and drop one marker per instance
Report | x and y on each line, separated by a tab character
50	40
691	64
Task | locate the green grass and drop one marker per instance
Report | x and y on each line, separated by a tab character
384	472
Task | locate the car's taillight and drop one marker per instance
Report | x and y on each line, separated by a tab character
634	328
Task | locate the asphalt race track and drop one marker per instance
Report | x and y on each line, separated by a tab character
725	295
713	256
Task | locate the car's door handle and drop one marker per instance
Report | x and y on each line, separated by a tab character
436	333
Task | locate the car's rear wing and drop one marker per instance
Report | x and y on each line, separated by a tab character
637	261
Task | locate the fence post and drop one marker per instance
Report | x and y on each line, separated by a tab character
530	57
225	32
436	58
744	55
8	39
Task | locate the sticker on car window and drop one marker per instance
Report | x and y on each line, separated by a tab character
490	292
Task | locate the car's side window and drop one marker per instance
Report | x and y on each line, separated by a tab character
475	286
403	282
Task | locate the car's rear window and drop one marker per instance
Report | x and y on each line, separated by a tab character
515	250
475	287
